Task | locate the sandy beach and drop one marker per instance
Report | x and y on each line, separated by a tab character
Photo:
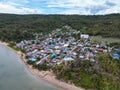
3	43
46	75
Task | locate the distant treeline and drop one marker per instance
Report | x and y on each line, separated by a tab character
19	27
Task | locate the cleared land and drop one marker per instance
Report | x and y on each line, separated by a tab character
101	39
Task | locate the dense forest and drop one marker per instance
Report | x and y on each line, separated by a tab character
19	27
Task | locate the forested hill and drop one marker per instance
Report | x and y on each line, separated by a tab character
17	27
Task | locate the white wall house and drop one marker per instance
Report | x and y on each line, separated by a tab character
86	36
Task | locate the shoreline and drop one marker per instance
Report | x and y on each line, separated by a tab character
48	76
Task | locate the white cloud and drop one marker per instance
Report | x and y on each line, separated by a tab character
25	1
75	3
60	6
86	6
31	11
109	11
76	11
11	8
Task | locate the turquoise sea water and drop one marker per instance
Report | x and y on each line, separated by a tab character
15	76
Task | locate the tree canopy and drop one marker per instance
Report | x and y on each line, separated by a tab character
18	27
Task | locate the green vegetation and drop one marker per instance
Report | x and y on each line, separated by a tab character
101	76
43	67
103	39
109	65
115	44
31	62
40	67
12	45
21	27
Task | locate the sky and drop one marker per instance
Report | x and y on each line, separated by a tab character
81	7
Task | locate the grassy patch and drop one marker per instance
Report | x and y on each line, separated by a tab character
101	39
14	47
86	80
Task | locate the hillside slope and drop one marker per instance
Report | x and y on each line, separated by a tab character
17	27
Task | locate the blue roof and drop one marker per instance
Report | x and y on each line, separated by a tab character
66	49
61	54
32	59
66	56
53	55
116	55
52	45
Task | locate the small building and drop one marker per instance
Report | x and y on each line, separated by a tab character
34	46
66	45
81	57
53	55
57	47
54	60
116	55
66	49
105	51
100	49
57	51
85	36
32	59
68	58
52	45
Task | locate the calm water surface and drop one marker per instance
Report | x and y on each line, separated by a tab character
14	75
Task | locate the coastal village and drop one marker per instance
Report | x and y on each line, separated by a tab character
63	45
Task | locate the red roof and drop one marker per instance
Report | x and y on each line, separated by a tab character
100	49
33	46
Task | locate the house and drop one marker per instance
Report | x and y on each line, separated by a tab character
57	51
52	45
105	50
32	59
34	46
66	49
81	56
68	59
53	55
54	60
116	55
100	49
66	45
34	51
85	36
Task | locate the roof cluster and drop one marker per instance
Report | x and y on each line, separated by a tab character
59	46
